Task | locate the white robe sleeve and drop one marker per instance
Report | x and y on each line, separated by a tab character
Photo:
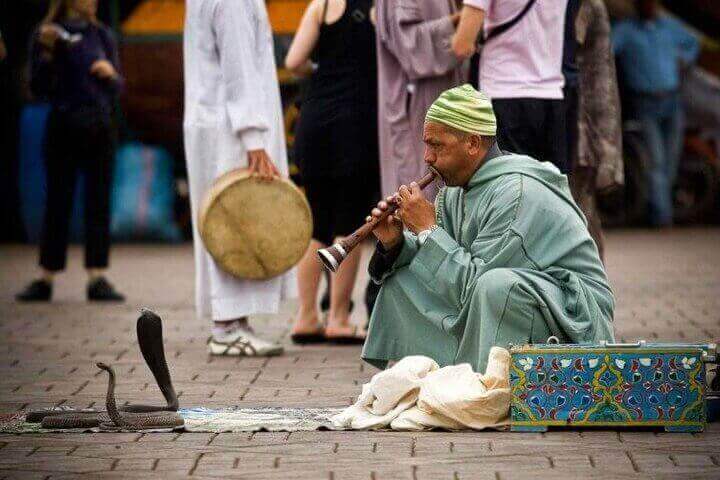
236	38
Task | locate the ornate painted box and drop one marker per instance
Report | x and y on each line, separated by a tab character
609	385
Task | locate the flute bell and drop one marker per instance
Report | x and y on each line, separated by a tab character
332	256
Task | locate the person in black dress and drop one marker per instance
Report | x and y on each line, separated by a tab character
336	147
75	68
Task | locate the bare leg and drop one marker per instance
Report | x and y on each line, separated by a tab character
309	274
340	292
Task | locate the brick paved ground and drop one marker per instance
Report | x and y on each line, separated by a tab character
668	288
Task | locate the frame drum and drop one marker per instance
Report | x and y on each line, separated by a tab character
255	229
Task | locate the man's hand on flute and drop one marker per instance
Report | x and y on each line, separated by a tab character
388	231
415	211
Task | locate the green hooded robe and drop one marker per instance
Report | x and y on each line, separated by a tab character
512	262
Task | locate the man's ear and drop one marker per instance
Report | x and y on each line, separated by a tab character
475	145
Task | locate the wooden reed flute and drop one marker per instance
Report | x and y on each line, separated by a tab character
333	256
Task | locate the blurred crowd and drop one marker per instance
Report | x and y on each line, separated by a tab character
549	68
371	70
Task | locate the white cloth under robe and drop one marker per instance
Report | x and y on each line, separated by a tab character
416	394
232	105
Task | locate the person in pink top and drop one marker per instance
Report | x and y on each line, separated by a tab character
521	71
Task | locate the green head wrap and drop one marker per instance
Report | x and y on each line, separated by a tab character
464	109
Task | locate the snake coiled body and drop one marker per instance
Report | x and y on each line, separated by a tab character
150	340
70	419
134	420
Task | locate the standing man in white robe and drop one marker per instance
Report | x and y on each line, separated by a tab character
233	119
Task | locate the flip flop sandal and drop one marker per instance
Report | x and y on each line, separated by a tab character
352	339
309	338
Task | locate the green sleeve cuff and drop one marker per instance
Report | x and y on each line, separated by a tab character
407	253
409	249
438	245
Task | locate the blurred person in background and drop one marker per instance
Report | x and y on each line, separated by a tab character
651	50
521	71
336	145
233	119
599	161
74	66
415	65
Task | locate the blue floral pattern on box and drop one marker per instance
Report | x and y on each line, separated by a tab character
601	386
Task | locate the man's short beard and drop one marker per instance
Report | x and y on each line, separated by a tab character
439	175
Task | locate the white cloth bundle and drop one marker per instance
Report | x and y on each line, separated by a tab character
415	394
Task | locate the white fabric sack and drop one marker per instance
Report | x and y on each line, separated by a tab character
388	393
417	395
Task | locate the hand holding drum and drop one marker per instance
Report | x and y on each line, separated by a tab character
333	256
260	164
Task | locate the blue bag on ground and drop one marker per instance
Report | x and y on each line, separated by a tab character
143	195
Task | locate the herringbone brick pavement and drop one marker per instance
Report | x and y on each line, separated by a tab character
667	287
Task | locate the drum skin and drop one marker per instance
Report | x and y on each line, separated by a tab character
255	229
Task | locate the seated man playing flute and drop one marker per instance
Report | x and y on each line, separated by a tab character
503	256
